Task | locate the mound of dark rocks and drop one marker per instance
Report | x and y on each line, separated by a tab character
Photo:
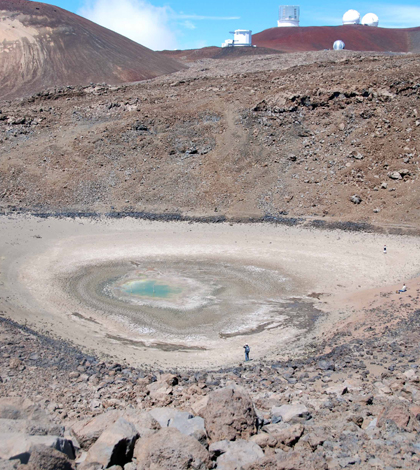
357	407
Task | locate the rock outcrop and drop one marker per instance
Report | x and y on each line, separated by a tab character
229	415
297	414
170	449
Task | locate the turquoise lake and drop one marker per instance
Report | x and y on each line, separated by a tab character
149	288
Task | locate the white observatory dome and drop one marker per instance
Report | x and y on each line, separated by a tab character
339	45
370	19
351	17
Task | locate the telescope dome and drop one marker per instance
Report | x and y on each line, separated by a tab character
339	45
370	19
351	17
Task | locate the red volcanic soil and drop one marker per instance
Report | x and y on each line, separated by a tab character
42	46
355	37
191	55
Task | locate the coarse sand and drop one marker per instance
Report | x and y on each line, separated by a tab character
277	288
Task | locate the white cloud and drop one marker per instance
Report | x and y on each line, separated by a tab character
141	21
187	24
138	20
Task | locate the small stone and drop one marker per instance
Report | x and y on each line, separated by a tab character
395	175
356	155
290	413
15	363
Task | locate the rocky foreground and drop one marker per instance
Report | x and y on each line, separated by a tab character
356	407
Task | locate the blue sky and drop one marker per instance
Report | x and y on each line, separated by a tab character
187	24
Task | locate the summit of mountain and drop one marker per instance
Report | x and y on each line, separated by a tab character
355	37
43	46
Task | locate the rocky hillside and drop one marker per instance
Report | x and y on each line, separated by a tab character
332	135
227	53
355	37
43	46
352	402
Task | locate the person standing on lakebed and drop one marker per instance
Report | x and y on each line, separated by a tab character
247	349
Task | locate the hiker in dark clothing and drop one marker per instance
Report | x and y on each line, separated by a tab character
247	349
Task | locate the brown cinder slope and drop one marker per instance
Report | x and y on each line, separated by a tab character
43	46
213	52
329	134
355	37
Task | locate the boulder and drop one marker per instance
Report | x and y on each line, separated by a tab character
189	425
21	408
287	436
415	411
169	379
172	450
159	391
382	389
143	421
337	389
115	445
9	464
12	426
290	413
292	460
130	466
163	415
400	415
264	440
47	458
90	466
19	446
88	431
28	426
235	455
314	437
199	406
229	415
15	408
410	373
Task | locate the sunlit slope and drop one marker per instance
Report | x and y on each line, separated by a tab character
42	46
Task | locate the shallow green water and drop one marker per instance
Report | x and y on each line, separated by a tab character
149	288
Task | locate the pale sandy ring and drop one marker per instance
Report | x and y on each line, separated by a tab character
318	260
